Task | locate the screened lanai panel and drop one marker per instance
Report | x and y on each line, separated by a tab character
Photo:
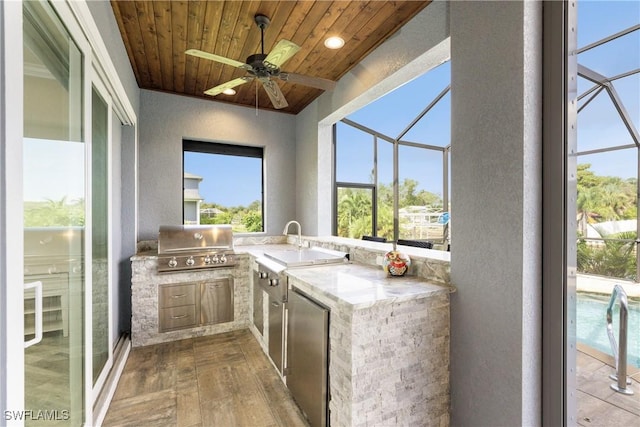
354	155
607	213
629	91
600	125
420	173
355	212
616	56
392	113
385	190
611	17
434	128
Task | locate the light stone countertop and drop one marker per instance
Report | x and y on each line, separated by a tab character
350	286
356	286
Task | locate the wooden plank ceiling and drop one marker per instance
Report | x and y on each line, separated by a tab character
157	33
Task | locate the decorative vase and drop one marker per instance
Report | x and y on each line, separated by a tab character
396	263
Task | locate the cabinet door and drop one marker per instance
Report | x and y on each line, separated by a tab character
177	295
307	346
276	335
216	301
258	314
177	317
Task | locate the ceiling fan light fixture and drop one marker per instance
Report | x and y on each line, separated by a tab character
334	42
229	91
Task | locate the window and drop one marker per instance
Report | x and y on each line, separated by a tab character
223	184
400	138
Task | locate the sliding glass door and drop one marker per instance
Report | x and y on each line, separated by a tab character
54	189
67	225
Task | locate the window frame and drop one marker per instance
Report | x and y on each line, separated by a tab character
226	149
396	143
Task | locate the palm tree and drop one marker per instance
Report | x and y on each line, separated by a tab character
589	201
354	205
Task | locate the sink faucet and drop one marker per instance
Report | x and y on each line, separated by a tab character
286	228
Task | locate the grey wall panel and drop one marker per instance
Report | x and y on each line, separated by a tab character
166	119
496	207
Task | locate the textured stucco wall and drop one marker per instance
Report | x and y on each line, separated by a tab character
166	119
102	14
496	205
307	157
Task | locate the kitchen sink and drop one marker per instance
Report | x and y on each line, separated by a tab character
306	257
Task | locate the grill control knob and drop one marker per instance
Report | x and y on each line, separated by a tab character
262	275
173	262
215	259
223	259
190	261
207	259
273	282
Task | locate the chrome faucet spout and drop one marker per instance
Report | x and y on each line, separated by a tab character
286	229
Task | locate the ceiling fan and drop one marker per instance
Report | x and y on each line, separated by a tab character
264	68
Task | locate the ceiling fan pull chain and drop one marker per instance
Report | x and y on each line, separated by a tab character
256	97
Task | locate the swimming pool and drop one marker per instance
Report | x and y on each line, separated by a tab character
591	324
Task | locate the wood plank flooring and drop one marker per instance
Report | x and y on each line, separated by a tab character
221	380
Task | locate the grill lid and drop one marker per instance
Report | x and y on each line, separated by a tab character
175	239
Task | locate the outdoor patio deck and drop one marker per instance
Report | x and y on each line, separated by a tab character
598	404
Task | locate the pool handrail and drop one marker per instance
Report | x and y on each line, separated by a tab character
620	350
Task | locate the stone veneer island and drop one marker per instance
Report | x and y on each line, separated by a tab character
388	336
389	345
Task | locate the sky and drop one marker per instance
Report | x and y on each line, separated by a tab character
227	180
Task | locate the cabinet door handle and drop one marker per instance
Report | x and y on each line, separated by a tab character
275	304
179	296
182	316
38	288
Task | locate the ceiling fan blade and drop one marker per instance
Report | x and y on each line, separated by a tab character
282	52
275	94
228	85
317	82
217	58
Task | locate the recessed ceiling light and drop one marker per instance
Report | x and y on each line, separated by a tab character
229	91
334	42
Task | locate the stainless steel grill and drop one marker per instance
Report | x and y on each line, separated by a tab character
193	247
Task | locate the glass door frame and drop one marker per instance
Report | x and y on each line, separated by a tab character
559	245
11	215
101	89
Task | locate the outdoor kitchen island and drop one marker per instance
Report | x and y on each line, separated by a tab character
389	345
388	336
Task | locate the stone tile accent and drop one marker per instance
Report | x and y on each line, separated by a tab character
426	263
390	364
144	298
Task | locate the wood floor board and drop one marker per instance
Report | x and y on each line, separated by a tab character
134	383
147	409
210	356
282	406
188	408
221	380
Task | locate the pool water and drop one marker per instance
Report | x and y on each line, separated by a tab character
591	324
